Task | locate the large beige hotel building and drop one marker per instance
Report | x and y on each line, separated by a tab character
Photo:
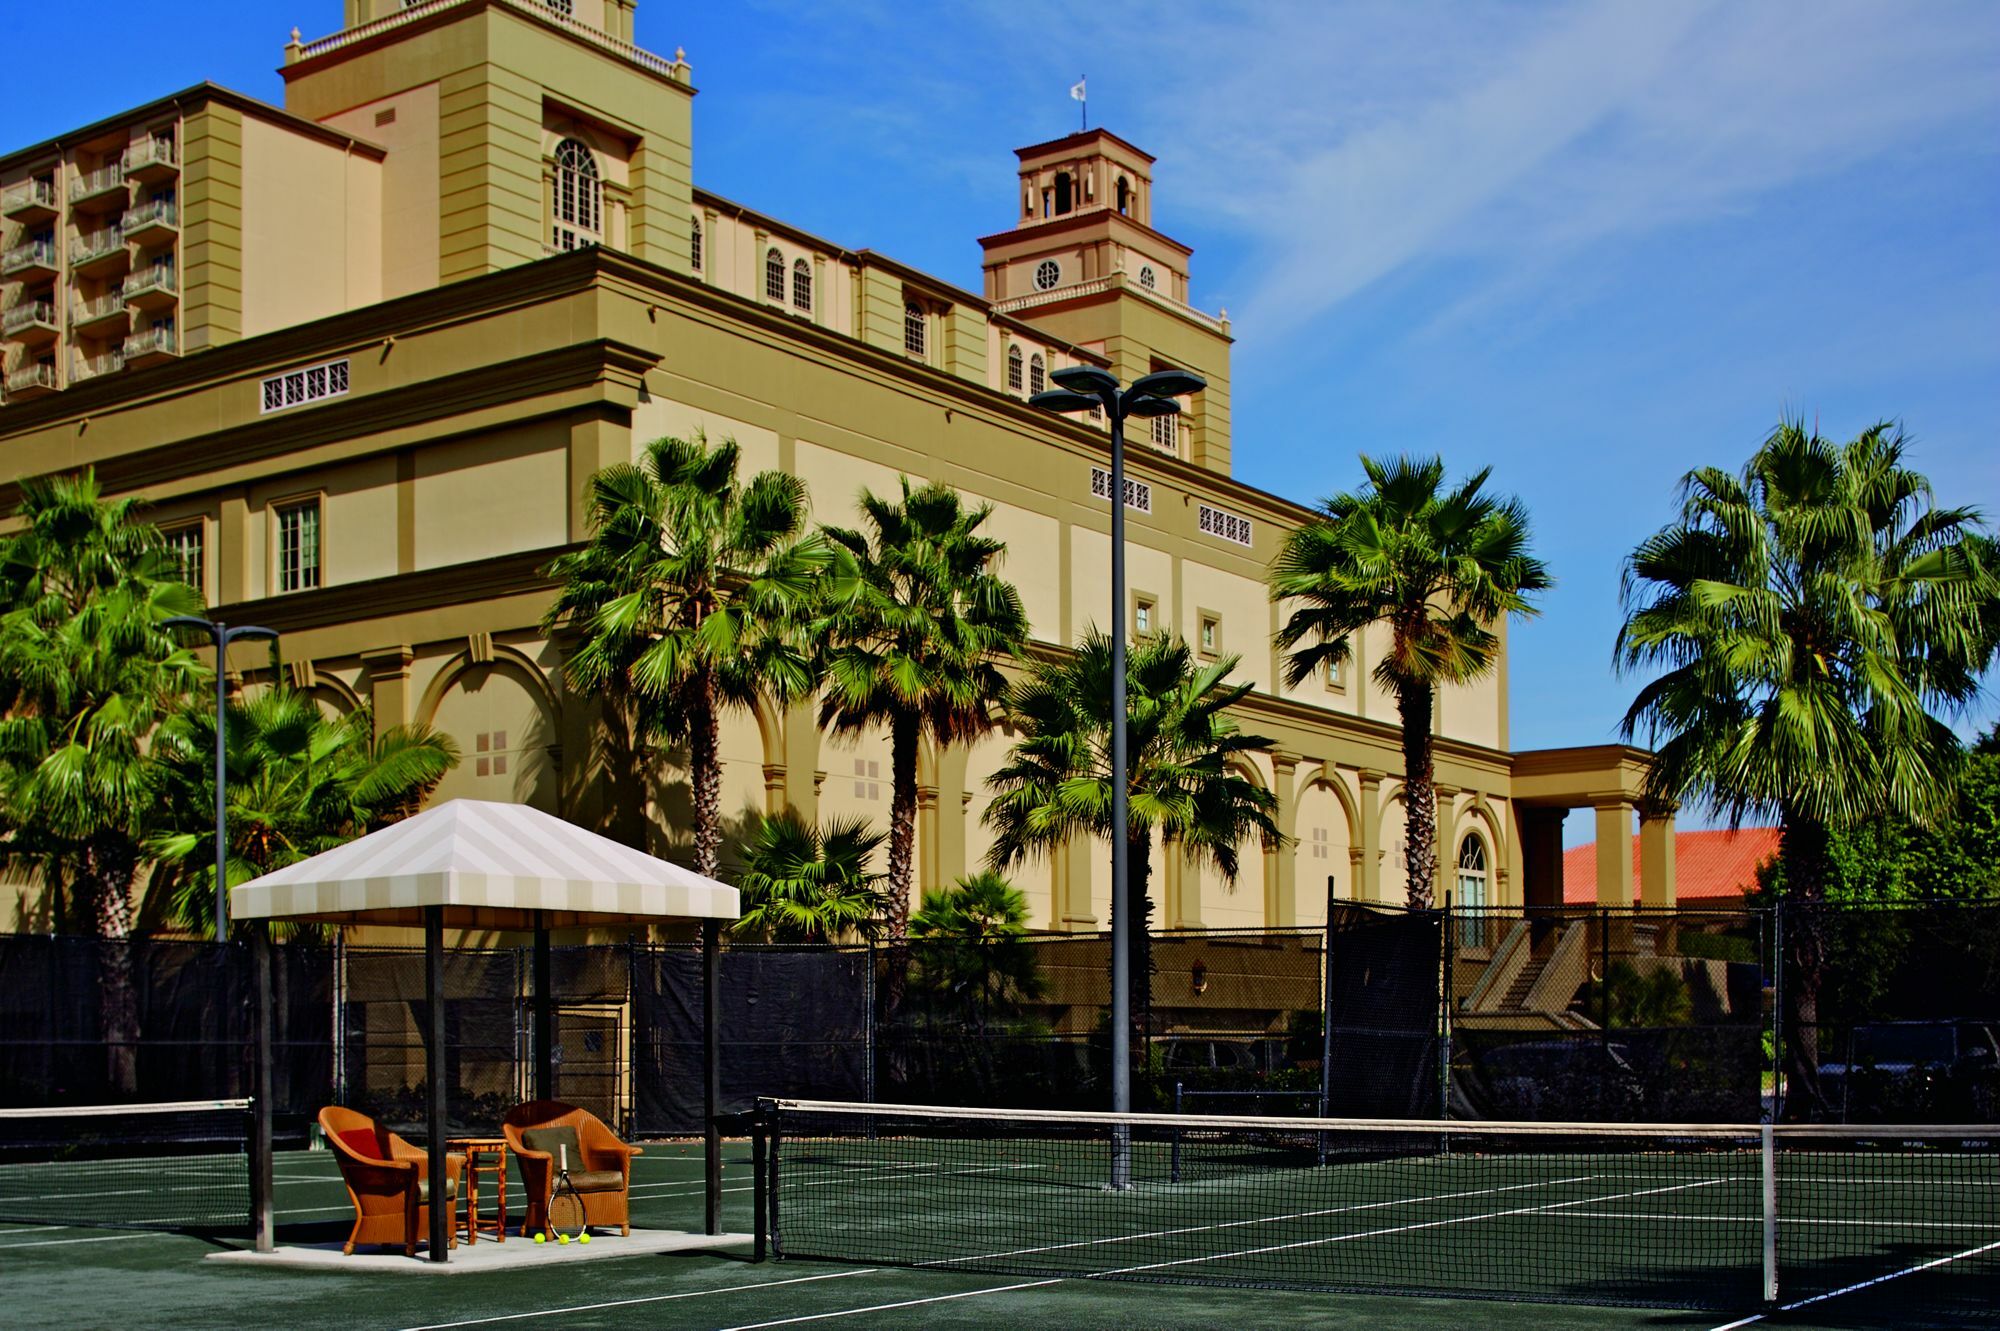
363	352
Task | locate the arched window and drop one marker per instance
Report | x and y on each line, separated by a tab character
1014	373
694	244
913	330
1471	890
1038	374
802	285
579	201
1147	278
1065	199
1124	196
774	275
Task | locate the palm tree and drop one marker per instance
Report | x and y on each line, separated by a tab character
1809	615
299	783
1184	775
973	950
86	672
806	884
691	597
915	624
1442	567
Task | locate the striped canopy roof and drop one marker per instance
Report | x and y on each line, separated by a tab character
490	866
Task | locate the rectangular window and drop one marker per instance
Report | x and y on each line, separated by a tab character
867	780
1319	844
1142	617
1167	433
298	546
1138	494
1335	676
1215	522
299	388
491	746
186	544
1211	635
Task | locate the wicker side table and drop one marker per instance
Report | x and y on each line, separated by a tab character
484	1156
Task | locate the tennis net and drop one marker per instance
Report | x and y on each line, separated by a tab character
1696	1216
183	1165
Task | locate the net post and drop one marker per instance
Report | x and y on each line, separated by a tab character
774	1136
758	1183
1174	1169
263	1216
1767	1149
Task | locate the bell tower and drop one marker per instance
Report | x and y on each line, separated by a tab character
1083	261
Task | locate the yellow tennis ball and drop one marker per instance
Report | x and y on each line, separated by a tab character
563	1239
584	1237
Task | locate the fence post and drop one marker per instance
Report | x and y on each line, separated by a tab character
1326	1016
1174	1170
711	1070
1604	1012
1778	1012
868	1030
339	1015
1444	1013
1768	1150
263	1217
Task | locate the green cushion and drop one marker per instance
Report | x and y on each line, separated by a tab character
551	1141
597	1180
424	1190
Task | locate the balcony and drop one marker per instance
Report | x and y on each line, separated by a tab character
102	190
153	160
99	254
31	321
96	367
152	287
100	316
152	346
29	202
152	223
31	381
36	258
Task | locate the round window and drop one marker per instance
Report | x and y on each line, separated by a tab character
1146	278
1047	273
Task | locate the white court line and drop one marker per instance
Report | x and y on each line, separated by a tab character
1861	1285
1790	1220
886	1307
627	1303
97	1238
1266	1220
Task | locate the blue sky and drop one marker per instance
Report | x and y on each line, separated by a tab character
1591	245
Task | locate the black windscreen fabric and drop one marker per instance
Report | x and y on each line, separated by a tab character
797	1019
1384	975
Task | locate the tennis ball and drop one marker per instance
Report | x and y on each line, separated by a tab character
563	1239
541	1238
585	1238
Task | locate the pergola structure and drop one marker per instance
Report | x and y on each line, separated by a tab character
472	864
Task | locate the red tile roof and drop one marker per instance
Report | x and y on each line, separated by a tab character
1707	865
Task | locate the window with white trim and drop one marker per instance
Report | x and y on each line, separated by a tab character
1038	373
1144	611
187	543
298	545
1167	432
1014	372
914	330
1138	494
774	275
802	286
1216	522
1209	638
1471	889
579	201
299	388
1047	273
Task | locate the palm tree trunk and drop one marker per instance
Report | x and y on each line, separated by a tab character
705	774
107	879
902	852
1415	702
1802	850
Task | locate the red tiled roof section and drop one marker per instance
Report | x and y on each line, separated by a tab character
1707	865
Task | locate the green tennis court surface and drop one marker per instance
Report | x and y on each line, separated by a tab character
52	1277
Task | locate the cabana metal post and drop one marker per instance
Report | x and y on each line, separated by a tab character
470	864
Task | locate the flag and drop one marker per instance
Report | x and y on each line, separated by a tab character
1076	93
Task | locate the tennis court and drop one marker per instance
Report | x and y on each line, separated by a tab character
87	1277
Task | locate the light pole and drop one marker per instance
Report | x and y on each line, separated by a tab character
222	635
1082	388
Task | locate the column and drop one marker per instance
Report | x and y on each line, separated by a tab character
1542	856
1281	903
388	677
929	877
1281	888
1170	872
1368	886
1656	858
1073	908
594	444
1614	854
1446	874
802	775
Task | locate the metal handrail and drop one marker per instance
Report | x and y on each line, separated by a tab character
100	307
21	255
96	245
152	152
28	312
37	375
28	191
161	210
98	181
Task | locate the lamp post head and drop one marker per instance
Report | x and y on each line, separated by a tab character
188	622
1151	406
252	631
1086	379
1167	383
1062	400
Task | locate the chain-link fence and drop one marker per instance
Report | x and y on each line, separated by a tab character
1567	1014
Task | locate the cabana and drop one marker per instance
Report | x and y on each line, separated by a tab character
472	864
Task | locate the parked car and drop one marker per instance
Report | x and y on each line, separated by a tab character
1917	1070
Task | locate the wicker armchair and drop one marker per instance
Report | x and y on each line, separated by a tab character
599	1164
387	1181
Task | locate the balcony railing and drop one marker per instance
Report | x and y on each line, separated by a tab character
151	342
31	377
100	181
109	305
161	214
96	245
34	254
146	158
95	367
29	196
145	283
27	315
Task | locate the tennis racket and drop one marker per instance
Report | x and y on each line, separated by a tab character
565	1207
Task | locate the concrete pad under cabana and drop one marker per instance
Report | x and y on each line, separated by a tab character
516	1254
474	864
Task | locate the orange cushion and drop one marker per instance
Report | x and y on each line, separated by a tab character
363	1142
